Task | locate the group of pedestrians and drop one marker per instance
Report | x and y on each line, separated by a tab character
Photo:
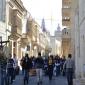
9	70
29	63
49	66
52	65
26	64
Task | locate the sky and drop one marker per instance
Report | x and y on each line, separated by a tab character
50	10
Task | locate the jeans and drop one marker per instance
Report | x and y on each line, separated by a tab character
39	74
50	72
10	75
69	74
3	77
23	71
26	75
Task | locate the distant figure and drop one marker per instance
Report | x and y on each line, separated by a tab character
62	63
69	65
15	65
57	64
50	67
22	64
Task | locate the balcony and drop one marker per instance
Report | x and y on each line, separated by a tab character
24	40
31	28
66	34
16	24
66	21
66	2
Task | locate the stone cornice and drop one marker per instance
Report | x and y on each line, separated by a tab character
18	5
11	4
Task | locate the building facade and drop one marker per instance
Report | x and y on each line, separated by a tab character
66	42
53	45
67	24
78	36
58	35
15	13
39	39
66	13
3	19
23	32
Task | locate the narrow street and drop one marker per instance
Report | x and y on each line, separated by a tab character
33	81
37	35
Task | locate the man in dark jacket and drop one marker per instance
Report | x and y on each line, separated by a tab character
39	61
39	66
27	65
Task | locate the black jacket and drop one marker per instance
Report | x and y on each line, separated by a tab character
27	64
39	62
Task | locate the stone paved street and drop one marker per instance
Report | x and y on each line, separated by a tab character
32	81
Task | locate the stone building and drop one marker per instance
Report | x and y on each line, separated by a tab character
3	19
66	41
24	33
67	24
15	12
79	39
58	36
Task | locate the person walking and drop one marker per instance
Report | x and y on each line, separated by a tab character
22	64
3	63
57	64
50	67
10	69
69	65
39	66
15	66
27	66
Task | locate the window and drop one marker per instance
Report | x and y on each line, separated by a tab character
14	44
66	19
66	7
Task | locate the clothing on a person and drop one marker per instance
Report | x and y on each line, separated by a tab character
39	74
15	62
69	64
50	62
10	70
27	64
50	67
39	62
10	63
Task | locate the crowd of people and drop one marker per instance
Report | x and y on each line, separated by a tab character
49	66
